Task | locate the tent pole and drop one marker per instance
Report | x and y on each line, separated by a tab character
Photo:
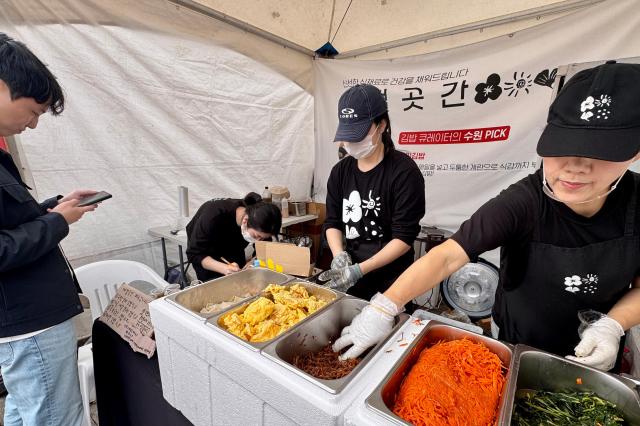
564	6
212	13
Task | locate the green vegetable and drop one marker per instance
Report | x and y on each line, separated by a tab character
537	408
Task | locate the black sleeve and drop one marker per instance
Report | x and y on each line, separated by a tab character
408	203
26	243
203	233
500	221
50	203
334	200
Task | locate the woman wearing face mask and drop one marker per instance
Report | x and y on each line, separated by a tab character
375	198
569	233
223	229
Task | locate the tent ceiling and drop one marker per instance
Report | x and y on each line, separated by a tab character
310	24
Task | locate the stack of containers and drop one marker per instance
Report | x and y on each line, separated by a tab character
214	377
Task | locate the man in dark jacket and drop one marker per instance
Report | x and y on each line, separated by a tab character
38	294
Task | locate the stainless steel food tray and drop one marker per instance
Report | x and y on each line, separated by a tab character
222	289
538	370
313	289
317	333
381	400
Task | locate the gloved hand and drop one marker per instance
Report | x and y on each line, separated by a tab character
368	328
341	260
600	343
342	279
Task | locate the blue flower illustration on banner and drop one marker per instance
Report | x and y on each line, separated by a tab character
489	90
519	83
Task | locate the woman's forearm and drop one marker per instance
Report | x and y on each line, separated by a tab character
627	310
427	272
211	264
334	239
393	250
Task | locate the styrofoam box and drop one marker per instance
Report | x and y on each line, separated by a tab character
213	380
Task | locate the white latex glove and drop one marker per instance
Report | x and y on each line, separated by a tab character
600	343
368	328
341	260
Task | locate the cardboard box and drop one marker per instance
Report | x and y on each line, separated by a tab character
318	209
293	259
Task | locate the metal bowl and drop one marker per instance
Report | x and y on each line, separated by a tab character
317	333
223	289
538	370
382	399
313	289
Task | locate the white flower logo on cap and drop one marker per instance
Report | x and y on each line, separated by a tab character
585	106
603	104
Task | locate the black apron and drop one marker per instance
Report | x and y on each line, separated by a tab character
542	311
380	279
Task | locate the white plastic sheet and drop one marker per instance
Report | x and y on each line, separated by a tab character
157	97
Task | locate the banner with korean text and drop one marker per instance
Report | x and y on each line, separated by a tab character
470	117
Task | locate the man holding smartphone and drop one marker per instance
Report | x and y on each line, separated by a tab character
38	290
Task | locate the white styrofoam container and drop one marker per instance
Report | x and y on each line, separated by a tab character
213	380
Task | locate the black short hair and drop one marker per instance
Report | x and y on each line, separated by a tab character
27	77
261	216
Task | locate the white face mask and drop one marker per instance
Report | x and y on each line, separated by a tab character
245	234
549	192
361	149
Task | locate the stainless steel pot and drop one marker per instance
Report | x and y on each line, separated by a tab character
250	281
538	370
382	399
313	289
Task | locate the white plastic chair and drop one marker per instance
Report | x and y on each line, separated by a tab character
99	281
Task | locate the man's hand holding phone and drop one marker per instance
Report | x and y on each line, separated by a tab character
71	211
78	194
74	205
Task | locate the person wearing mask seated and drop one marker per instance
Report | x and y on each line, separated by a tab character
569	233
221	230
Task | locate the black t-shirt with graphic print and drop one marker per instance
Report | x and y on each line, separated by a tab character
384	203
508	221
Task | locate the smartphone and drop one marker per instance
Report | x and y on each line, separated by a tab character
93	199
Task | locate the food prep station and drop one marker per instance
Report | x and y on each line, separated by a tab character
214	377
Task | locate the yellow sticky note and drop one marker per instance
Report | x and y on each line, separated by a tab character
279	268
270	264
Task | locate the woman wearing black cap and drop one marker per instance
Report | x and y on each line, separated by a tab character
222	229
569	233
375	198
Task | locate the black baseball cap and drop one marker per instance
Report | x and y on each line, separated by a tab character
596	115
357	108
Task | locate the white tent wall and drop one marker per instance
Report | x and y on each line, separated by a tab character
159	96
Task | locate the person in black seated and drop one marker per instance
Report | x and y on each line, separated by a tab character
223	229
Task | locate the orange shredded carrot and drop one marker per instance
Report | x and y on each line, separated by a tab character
455	383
